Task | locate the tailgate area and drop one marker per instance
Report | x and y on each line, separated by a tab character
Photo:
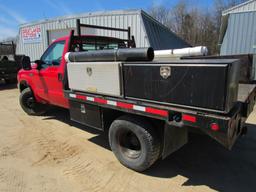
247	97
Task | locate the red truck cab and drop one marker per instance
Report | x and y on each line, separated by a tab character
45	78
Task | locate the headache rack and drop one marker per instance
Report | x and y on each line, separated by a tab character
130	38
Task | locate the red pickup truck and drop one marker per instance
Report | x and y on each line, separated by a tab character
146	106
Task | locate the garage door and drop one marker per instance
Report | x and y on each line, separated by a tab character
55	34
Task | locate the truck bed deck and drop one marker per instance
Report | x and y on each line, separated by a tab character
173	116
244	91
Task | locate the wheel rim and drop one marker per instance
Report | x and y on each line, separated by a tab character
129	144
30	102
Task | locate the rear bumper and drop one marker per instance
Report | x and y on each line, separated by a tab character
248	105
235	122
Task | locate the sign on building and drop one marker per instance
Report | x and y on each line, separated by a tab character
31	34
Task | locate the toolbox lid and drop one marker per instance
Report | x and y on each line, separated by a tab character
188	61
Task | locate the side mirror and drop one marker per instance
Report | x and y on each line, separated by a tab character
26	63
34	66
39	64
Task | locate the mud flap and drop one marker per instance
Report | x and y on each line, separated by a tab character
174	139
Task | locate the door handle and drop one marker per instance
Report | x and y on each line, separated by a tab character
60	77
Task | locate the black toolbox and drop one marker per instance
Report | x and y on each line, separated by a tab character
210	85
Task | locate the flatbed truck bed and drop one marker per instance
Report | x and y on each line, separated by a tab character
146	107
223	125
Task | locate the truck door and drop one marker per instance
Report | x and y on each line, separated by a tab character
52	73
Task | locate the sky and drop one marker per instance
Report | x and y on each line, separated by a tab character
15	12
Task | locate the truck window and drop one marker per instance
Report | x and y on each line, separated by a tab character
90	44
53	54
107	45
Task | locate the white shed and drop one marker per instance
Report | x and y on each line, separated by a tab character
35	37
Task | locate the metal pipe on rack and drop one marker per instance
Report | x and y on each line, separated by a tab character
127	54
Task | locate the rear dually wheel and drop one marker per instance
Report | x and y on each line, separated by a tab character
134	142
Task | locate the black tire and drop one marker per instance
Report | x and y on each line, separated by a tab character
29	104
134	142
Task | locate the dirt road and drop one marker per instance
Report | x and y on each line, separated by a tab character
51	153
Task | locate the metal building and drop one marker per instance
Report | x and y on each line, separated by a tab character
35	37
238	31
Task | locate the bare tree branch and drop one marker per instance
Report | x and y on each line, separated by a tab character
195	25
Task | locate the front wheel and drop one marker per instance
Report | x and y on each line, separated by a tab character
134	142
29	104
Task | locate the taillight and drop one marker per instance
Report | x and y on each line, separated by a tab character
215	127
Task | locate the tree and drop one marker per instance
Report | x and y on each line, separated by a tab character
160	13
195	25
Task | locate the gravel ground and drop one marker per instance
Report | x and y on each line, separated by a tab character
51	153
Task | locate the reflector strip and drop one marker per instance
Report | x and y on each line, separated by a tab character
150	110
99	100
157	111
111	103
124	105
139	108
72	95
189	118
81	97
90	99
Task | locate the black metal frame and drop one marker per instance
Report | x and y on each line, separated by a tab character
130	41
204	119
9	43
